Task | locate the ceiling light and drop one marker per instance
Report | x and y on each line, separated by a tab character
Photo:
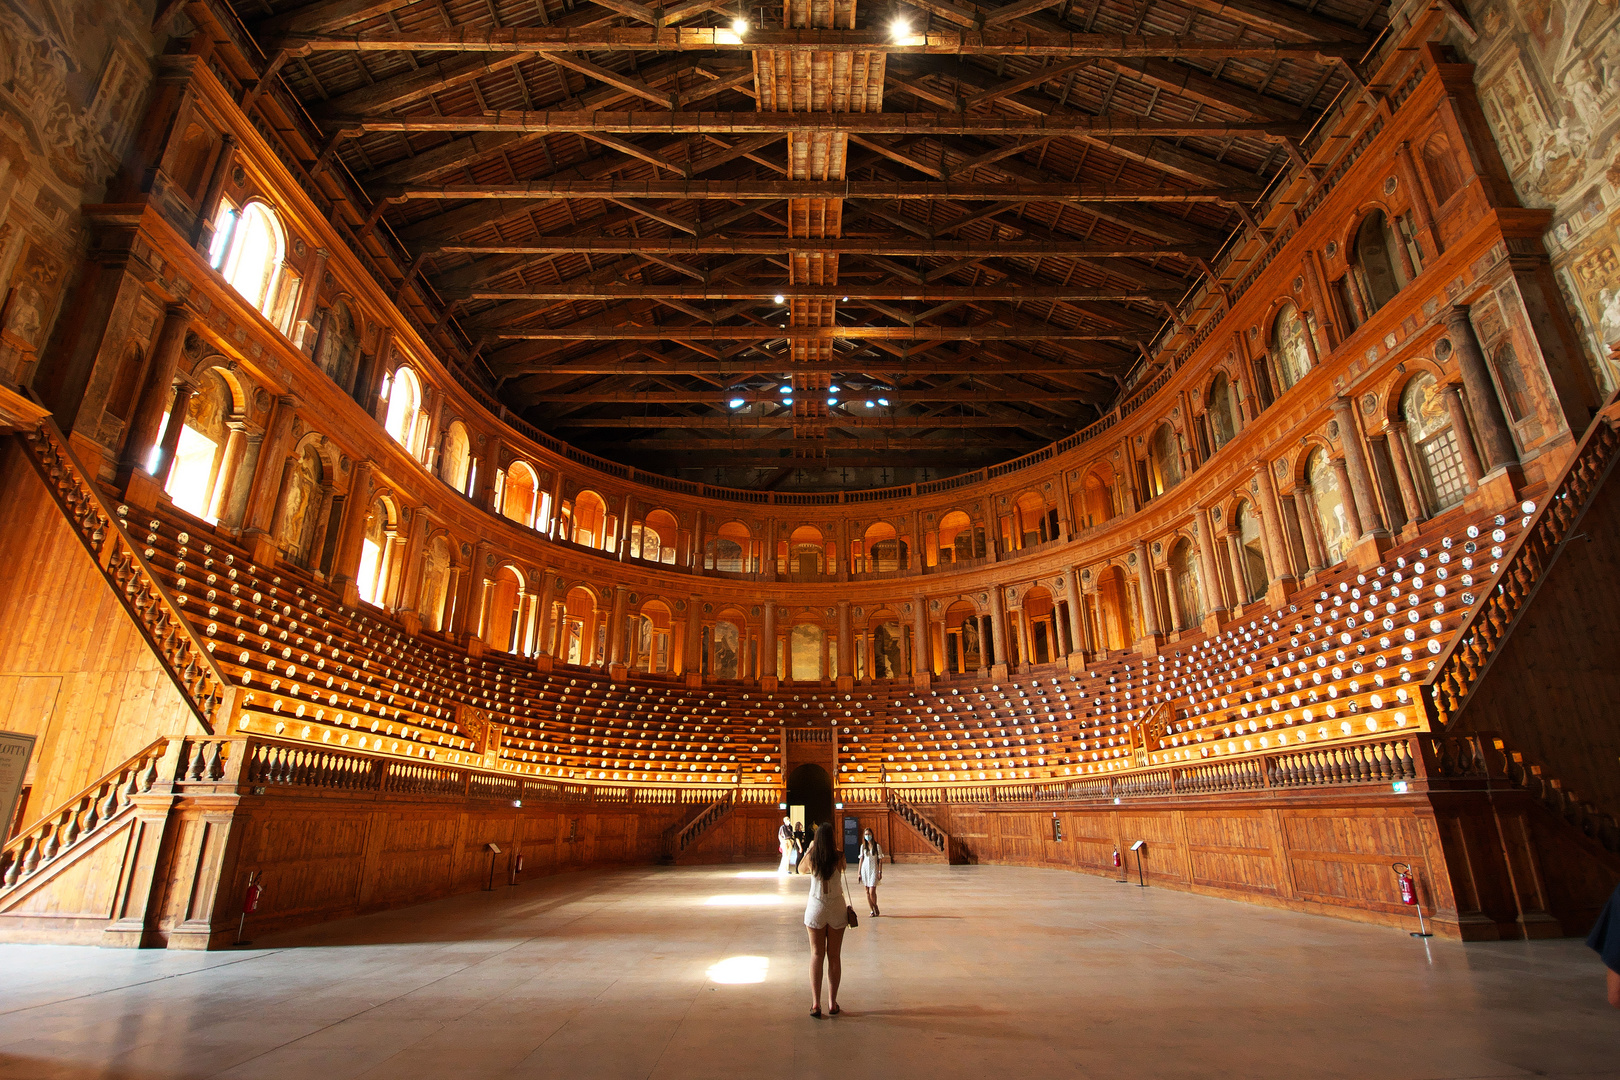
779	298
787	401
787	389
869	404
832	401
737	403
846	299
832	389
883	401
900	28
739	26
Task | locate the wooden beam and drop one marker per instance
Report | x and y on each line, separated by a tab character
633	86
756	423
802	123
927	294
1022	331
554	39
412	86
897	190
722	396
753	364
325	16
711	245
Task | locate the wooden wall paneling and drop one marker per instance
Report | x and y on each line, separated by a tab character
1230	850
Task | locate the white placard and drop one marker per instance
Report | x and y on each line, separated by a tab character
15	751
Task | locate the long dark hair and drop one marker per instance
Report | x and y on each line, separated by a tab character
824	853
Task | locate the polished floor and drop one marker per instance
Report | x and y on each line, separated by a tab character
666	973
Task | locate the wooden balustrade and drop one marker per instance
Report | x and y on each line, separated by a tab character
1486	759
184	655
933	834
81	817
1475	643
707	817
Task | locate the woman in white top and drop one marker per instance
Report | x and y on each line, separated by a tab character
824	915
871	869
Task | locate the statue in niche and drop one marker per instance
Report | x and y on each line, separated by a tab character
886	651
723	658
972	657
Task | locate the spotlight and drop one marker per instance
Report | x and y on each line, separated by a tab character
787	401
900	28
883	401
739	26
869	404
832	389
737	403
779	298
787	389
832	401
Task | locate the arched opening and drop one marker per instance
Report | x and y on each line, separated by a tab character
806	552
885	550
248	252
723	645
1332	523
1436	458
1041	645
959	541
1031	522
1164	460
731	550
1381	276
1290	352
1221	406
590	523
1096	499
650	635
376	553
579	632
963	652
434	591
810	796
196	480
454	467
1251	554
504	622
520	489
888	644
302	508
1116	604
403	392
1184	578
654	539
338	345
806	646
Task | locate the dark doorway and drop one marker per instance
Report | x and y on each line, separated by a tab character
809	786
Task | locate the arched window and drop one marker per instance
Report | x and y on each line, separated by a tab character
1332	524
518	493
650	638
885	551
403	393
731	551
958	539
654	539
248	251
505	626
376	552
590	523
1289	349
1441	165
1116	605
196	481
1040	620
1031	522
1221	404
1189	589
454	465
806	552
1436	459
1164	460
1096	499
1251	555
338	345
1381	276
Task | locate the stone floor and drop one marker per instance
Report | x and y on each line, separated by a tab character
667	973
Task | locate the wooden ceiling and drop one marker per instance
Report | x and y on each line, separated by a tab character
655	225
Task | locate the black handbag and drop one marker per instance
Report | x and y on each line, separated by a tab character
849	909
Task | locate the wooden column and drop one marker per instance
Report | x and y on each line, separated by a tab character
846	643
1495	437
1144	586
164	463
202	229
998	624
1451	394
1271	526
352	532
1352	517
1355	458
1420	201
767	637
309	290
616	626
1077	618
548	600
1240	580
692	647
920	664
146	419
1303	506
1178	620
1410	498
1209	575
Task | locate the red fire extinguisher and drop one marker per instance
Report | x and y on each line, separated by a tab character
1119	864
250	904
1116	859
1409	896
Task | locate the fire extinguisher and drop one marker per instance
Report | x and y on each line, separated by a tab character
1409	896
250	904
1119	864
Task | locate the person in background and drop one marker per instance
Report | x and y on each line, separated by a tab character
825	916
798	844
1605	941
871	871
784	844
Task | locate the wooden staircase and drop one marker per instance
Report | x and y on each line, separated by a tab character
679	840
924	828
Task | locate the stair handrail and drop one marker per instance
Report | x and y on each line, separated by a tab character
185	656
918	820
77	818
708	816
1477	641
1487	756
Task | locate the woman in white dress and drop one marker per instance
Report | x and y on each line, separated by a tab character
871	869
784	843
825	916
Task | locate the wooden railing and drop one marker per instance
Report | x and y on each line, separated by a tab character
1486	758
692	830
1476	642
105	535
81	817
919	821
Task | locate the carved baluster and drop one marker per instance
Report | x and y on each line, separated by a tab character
216	764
